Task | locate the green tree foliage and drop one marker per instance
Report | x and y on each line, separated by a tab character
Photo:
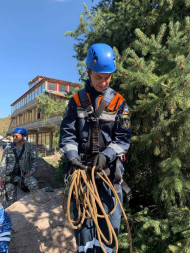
4	125
49	107
152	44
4	132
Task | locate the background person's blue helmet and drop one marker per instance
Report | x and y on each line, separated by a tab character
20	130
101	58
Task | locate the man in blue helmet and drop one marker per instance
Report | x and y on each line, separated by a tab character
97	110
19	162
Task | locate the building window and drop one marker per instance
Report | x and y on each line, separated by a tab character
52	86
34	115
36	92
43	87
34	83
38	115
32	138
71	89
21	119
30	116
39	90
43	142
62	88
13	124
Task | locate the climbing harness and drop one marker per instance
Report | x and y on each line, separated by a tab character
95	143
83	188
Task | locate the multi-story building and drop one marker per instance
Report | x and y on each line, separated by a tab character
24	110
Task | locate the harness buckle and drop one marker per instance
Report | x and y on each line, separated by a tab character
82	157
93	121
89	109
95	149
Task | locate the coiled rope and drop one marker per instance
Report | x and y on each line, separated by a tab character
83	188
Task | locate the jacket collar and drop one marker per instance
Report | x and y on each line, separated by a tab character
13	145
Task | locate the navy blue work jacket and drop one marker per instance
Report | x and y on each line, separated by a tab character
114	123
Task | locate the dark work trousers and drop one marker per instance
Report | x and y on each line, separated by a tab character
86	239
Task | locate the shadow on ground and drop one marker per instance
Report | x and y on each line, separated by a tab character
40	227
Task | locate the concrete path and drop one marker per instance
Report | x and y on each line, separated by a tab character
40	228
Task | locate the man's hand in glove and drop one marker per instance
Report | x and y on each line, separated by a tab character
100	162
77	165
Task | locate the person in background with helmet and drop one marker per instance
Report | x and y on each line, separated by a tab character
19	162
112	124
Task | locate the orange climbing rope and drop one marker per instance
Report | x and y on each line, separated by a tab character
83	188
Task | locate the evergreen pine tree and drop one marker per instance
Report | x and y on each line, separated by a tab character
152	43
50	107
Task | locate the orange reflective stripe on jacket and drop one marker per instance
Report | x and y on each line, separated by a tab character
114	104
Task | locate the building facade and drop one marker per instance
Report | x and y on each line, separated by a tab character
24	111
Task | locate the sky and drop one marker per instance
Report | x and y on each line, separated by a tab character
32	42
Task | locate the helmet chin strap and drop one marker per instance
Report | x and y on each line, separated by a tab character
88	72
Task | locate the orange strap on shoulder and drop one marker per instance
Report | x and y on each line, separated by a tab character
77	99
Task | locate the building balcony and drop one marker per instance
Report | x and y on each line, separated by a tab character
51	124
26	107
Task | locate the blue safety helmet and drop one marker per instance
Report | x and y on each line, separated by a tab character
101	58
20	130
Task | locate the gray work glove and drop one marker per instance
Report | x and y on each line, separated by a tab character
100	162
77	165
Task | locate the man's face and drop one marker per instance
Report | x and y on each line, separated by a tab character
99	81
17	137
